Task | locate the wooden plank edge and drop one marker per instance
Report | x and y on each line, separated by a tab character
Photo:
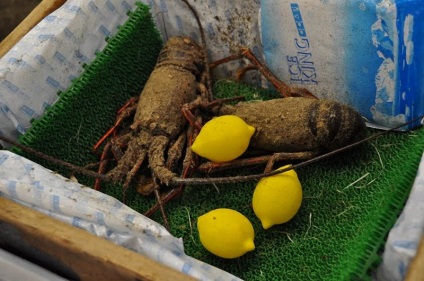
416	267
40	12
81	254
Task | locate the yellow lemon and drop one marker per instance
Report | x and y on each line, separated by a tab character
226	233
223	138
277	199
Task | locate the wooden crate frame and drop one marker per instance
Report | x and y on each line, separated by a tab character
83	256
90	257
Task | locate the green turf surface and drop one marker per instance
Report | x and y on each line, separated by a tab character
340	228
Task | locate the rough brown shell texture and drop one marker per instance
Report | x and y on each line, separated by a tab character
299	124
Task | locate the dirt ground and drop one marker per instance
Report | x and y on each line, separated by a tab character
12	12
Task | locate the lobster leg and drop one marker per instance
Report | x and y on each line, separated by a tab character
170	195
123	113
187	109
260	160
175	152
113	146
160	203
159	170
118	143
283	88
146	186
132	173
208	167
189	166
136	150
103	163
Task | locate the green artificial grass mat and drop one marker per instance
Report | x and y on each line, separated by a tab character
350	200
84	111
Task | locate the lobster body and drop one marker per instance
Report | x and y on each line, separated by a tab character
299	124
158	121
172	84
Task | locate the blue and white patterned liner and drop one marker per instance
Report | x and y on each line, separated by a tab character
30	184
51	55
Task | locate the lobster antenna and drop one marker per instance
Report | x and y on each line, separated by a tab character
221	180
200	181
56	161
208	81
